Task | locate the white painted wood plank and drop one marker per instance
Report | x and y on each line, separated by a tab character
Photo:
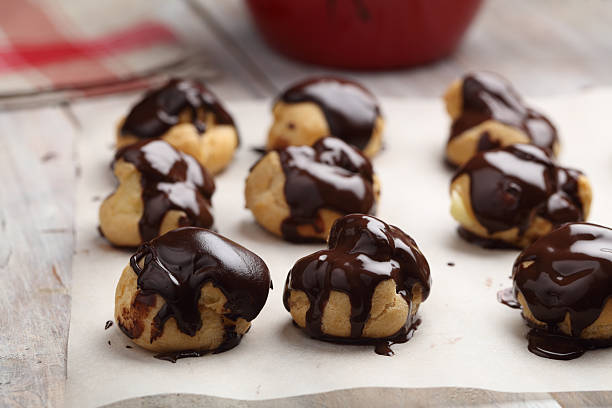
36	241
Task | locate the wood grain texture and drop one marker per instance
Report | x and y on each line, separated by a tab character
36	239
545	47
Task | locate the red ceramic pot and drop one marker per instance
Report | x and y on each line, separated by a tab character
364	34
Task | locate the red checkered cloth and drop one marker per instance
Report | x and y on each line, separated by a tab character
83	47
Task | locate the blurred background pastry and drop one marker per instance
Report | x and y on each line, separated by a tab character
365	288
299	191
160	189
188	116
327	106
488	113
511	196
190	292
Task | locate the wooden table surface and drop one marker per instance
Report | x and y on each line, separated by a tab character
544	47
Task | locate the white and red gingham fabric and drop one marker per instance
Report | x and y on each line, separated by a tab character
51	44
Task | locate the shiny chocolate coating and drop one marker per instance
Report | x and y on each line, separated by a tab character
350	110
170	180
487	96
331	174
568	271
510	186
179	263
161	108
363	251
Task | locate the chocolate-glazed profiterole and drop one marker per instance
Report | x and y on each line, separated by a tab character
563	284
190	292
365	289
488	113
299	191
327	106
513	195
159	189
189	117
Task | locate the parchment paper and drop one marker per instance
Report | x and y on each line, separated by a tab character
467	339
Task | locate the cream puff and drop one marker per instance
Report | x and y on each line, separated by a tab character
487	113
159	189
187	115
563	284
190	292
299	191
513	195
366	288
327	106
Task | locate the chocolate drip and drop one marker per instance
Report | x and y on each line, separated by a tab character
162	108
567	272
178	264
487	96
350	109
170	180
363	252
512	185
330	174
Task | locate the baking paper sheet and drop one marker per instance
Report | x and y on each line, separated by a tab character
467	339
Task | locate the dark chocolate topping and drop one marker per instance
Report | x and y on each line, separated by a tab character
487	96
570	271
160	109
511	185
178	264
171	180
330	174
350	109
363	251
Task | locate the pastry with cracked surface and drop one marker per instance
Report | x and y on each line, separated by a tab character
187	115
298	192
488	113
160	189
366	288
327	106
511	196
190	292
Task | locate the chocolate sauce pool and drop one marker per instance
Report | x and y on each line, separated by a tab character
170	180
330	174
350	109
567	272
179	263
511	185
160	109
487	96
363	252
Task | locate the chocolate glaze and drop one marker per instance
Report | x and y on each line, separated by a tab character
330	174
568	271
179	263
363	251
350	109
511	185
161	108
506	297
170	180
487	96
108	324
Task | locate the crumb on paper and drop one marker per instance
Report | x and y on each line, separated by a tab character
48	156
